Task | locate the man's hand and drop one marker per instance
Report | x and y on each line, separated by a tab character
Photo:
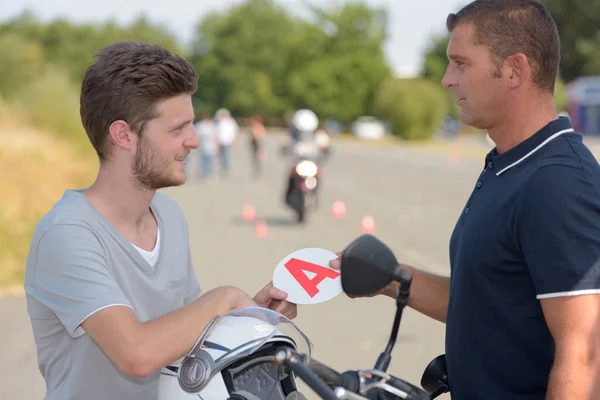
272	298
389	290
429	293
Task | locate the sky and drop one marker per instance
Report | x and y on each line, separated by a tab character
411	26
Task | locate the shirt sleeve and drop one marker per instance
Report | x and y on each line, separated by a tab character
558	231
72	277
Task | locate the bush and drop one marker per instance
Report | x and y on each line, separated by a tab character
22	60
414	107
51	103
561	99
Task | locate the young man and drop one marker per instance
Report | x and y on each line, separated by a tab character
111	290
522	305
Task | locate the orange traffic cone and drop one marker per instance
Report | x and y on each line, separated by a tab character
260	228
248	212
367	223
338	209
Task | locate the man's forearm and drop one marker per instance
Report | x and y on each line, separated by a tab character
168	338
574	376
429	293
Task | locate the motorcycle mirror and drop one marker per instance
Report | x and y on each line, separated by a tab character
435	377
368	266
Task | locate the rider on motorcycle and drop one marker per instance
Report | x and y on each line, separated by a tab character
303	141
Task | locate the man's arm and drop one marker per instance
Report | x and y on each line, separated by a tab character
557	226
574	323
429	293
72	278
139	349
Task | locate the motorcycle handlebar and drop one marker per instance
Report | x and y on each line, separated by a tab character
413	392
330	376
321	379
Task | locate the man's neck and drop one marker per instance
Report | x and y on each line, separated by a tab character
120	201
521	123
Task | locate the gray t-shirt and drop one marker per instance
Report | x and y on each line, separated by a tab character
78	264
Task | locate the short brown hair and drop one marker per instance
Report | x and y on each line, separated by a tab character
508	27
125	83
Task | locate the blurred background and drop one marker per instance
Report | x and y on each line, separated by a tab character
401	164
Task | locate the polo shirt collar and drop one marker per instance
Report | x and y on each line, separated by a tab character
503	162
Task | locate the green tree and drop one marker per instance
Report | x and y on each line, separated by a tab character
415	107
258	58
242	58
22	60
71	47
341	81
577	22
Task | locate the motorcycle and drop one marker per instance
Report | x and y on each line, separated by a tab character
303	178
257	354
368	266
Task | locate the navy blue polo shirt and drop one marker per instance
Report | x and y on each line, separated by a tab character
530	230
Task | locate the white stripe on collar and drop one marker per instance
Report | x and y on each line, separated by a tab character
557	134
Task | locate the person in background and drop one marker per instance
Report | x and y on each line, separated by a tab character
257	135
227	132
206	131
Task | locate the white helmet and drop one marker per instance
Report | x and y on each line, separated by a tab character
305	120
234	359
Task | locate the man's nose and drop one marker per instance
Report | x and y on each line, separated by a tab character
192	140
449	78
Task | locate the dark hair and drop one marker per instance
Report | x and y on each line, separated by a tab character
125	83
508	27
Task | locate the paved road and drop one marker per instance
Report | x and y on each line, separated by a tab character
415	198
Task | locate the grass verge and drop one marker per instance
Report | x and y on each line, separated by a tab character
36	169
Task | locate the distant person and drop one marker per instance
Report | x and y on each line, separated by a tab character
206	131
522	304
257	136
227	132
111	290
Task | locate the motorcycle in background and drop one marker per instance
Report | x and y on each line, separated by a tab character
303	179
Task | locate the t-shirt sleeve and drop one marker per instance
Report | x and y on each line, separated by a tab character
72	278
558	230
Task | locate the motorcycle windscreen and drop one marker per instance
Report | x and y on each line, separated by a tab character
240	333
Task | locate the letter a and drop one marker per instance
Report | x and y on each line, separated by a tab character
297	267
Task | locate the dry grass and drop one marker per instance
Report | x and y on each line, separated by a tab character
36	168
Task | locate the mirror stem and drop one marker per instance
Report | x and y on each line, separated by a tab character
405	279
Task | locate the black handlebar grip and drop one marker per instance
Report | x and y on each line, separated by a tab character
413	392
330	376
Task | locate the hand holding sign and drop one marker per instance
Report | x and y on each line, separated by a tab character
307	277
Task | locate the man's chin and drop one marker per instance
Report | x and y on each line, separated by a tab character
163	184
468	120
169	185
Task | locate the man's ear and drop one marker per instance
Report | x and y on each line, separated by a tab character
518	70
121	134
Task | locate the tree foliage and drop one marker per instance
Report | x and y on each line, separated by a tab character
259	58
